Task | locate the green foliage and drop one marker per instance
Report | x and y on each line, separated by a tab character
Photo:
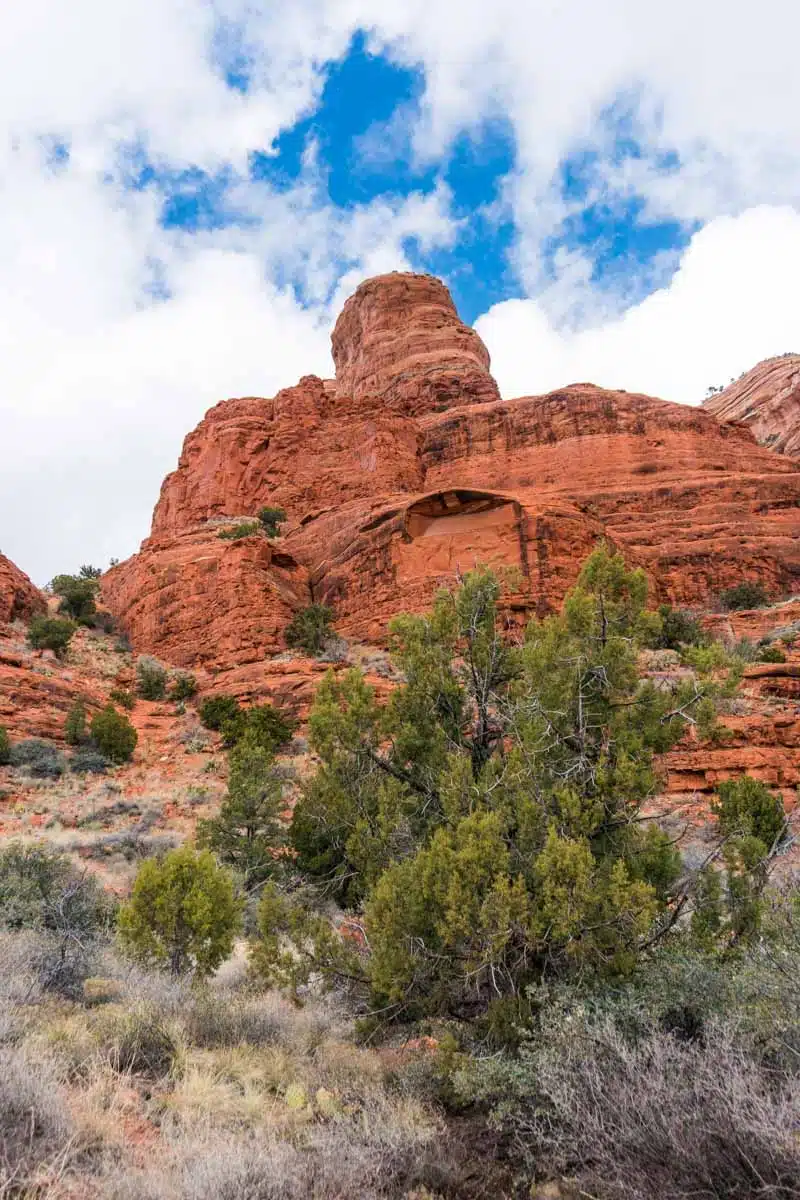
270	519
87	571
75	724
244	529
747	808
40	759
51	633
182	914
78	596
310	628
123	698
182	686
678	628
247	833
151	679
113	734
41	889
487	816
261	724
5	746
217	711
772	654
747	594
295	942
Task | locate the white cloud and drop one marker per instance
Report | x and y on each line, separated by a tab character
99	382
731	303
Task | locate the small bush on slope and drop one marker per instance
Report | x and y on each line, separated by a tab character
51	633
151	679
114	735
40	759
748	594
310	628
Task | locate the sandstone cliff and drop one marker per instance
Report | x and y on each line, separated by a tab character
19	598
408	467
767	398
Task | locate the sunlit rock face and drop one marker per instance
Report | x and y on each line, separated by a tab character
409	469
767	398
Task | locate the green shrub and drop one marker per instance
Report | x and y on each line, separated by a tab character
748	594
51	633
5	746
41	889
40	759
151	679
217	711
182	686
87	761
772	654
242	530
78	596
123	698
678	628
310	628
262	724
89	572
114	735
182	914
75	724
270	519
747	808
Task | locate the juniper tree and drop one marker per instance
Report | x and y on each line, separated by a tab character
247	833
486	821
183	913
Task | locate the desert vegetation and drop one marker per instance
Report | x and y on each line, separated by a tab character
468	963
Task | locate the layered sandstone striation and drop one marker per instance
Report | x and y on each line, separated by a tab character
400	344
767	398
408	468
19	598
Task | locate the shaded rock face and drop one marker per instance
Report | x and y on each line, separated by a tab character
408	468
768	400
19	598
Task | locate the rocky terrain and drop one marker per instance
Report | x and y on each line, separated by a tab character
404	470
767	399
408	467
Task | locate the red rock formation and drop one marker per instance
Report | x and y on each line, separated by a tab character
399	344
19	598
409	468
767	398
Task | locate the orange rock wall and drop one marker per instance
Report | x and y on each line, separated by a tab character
19	598
409	468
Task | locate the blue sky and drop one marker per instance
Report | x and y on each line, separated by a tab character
359	138
190	189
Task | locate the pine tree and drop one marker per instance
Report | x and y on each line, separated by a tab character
248	832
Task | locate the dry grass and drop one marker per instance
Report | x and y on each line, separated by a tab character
169	1092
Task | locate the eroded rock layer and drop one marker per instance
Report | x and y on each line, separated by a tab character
19	598
408	468
767	398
